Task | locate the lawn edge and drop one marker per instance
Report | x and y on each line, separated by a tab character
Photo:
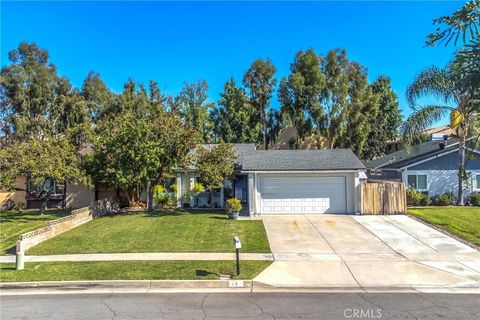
458	238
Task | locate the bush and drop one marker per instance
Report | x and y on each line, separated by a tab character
233	205
162	198
19	206
445	199
475	199
416	198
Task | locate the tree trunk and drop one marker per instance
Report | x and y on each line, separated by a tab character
264	131
461	169
212	205
150	198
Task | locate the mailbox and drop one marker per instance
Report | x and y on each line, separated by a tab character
237	243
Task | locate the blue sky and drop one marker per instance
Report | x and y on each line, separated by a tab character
176	42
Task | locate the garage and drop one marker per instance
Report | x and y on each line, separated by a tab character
314	194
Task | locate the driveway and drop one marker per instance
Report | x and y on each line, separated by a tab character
365	252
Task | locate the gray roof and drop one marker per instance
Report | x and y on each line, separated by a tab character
250	159
298	160
416	153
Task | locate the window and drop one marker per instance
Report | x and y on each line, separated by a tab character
477	180
379	172
418	182
37	188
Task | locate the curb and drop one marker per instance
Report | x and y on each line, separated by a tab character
179	286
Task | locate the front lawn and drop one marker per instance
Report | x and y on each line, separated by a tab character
463	222
176	231
130	270
14	223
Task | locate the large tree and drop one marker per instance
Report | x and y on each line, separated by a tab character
299	94
260	81
233	117
385	127
35	100
43	161
98	96
458	88
194	108
141	145
214	164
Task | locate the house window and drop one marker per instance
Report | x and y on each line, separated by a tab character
477	181
418	182
379	172
37	188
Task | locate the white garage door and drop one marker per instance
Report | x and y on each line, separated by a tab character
303	195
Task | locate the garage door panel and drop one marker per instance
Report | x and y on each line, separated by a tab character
303	194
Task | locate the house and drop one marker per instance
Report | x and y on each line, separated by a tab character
396	144
266	182
430	167
285	181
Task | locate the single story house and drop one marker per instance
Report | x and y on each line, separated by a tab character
430	167
285	181
266	182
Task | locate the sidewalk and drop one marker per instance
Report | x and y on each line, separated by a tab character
200	256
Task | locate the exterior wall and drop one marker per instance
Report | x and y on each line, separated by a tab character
441	181
79	195
352	190
385	175
16	196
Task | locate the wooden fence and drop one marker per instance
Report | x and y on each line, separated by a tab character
383	197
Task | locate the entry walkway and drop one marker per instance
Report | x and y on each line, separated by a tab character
201	256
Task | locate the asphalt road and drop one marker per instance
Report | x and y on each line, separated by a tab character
190	306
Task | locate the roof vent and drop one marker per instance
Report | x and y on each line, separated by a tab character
442	145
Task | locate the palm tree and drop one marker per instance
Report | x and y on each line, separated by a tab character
458	87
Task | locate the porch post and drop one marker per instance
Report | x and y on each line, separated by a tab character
191	184
220	201
179	189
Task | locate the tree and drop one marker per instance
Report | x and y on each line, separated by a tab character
214	165
42	161
275	123
142	145
194	107
98	96
459	90
387	123
35	100
299	93
233	117
260	83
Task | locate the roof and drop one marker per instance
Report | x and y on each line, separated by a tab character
416	153
301	160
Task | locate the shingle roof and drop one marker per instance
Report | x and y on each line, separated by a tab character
297	160
416	153
250	159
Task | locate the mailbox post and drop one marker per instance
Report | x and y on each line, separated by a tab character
238	246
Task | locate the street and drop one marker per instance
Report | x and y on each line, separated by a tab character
325	306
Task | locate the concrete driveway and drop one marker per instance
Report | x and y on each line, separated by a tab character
365	252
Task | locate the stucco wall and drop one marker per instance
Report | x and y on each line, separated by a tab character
79	195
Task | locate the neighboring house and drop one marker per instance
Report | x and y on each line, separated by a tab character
285	181
430	167
396	145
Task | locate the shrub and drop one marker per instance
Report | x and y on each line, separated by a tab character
445	199
416	198
475	199
163	198
19	206
233	205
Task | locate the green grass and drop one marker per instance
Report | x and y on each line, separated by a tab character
129	270
14	223
177	231
463	222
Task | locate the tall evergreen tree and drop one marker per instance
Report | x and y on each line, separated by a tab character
194	108
299	93
97	95
260	83
233	117
388	121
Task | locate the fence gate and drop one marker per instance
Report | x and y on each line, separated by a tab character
383	197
